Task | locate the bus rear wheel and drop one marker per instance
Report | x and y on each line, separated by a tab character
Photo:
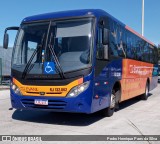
146	94
108	112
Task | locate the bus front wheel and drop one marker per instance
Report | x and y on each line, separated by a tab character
107	112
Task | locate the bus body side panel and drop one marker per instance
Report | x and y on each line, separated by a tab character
135	75
109	74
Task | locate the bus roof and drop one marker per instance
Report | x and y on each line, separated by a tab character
80	13
71	13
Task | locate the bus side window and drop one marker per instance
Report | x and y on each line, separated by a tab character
146	53
133	47
113	38
151	55
99	39
155	55
139	50
129	45
120	42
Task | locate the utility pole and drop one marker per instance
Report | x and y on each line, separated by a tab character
142	17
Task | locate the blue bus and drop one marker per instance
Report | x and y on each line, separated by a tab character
80	61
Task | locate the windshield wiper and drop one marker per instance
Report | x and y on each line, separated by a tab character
32	57
51	48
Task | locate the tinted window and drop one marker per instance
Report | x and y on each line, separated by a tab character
117	35
146	53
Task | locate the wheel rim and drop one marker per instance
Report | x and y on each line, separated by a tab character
113	101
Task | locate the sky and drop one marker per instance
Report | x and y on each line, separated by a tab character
12	12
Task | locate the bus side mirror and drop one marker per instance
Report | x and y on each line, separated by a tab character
105	36
5	40
6	36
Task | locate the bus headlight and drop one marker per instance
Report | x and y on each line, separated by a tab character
15	89
78	89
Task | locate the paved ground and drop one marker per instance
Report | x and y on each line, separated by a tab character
135	117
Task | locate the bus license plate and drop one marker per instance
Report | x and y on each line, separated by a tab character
40	102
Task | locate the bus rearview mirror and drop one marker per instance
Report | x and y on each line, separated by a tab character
6	36
5	40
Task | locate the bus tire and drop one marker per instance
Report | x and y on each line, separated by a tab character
108	112
146	93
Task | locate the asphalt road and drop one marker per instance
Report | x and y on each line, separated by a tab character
135	117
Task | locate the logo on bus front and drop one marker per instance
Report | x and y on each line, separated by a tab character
42	93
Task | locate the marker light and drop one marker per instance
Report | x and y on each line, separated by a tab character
15	89
78	89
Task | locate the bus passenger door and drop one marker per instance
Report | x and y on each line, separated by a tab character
101	90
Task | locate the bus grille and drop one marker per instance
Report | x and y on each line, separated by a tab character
52	104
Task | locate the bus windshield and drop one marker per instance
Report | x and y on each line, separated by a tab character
67	44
